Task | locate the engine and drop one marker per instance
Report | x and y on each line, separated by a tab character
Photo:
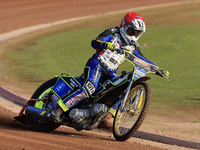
90	117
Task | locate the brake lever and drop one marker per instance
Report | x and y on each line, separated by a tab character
166	78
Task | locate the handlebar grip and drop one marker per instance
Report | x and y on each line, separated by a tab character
160	73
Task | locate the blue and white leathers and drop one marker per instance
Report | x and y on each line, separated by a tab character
93	73
102	62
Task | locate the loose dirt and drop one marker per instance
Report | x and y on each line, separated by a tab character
63	137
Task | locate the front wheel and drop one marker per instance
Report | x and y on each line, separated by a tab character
40	93
128	120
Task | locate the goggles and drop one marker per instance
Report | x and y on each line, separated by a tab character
131	32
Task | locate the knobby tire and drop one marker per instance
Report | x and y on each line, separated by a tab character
141	117
39	125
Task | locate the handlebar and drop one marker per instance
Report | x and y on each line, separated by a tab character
137	61
159	72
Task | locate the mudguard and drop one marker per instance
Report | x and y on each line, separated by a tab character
143	79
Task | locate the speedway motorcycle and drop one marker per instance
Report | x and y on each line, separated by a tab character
129	90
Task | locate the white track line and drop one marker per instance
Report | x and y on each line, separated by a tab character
22	31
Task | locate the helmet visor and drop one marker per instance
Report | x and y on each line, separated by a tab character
131	32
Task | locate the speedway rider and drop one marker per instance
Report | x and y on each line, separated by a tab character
108	56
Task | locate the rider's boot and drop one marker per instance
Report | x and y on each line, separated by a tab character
98	112
107	123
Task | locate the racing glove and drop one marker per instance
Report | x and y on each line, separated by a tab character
110	46
130	48
163	72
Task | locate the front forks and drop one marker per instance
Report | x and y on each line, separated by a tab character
134	106
122	109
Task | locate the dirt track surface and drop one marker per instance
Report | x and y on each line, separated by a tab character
15	14
23	13
16	136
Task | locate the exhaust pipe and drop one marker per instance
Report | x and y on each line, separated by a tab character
37	114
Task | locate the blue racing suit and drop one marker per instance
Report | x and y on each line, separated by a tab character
99	66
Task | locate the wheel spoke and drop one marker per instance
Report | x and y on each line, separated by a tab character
127	119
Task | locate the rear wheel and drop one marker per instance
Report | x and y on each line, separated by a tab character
40	93
127	122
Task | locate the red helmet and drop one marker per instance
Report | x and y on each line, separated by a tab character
132	26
